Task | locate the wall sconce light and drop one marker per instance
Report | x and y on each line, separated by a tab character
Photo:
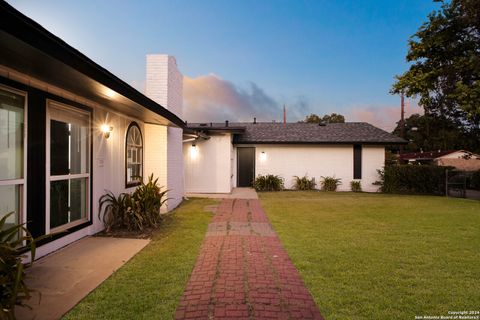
193	151
263	156
106	130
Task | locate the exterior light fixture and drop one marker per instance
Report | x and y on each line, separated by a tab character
193	151
106	130
263	156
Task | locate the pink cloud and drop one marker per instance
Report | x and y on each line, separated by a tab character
211	98
385	117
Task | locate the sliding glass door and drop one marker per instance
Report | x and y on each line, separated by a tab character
68	166
12	155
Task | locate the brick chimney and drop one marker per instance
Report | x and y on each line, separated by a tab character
165	82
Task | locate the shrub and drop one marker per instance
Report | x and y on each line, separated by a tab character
356	186
149	198
474	182
413	179
268	182
330	183
304	183
133	211
13	290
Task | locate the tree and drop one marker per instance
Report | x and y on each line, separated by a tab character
431	133
445	69
312	118
328	118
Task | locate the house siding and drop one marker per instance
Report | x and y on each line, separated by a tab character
210	170
316	161
156	153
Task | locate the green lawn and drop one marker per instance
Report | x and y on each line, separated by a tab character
150	285
373	256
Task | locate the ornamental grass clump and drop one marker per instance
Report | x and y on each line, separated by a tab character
268	182
133	211
330	183
356	186
304	183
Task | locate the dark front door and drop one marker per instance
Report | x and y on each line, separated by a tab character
246	166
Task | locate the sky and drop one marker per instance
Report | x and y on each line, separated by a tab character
247	58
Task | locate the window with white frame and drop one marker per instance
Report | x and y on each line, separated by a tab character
12	154
134	156
68	166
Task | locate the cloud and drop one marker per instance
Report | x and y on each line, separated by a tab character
210	98
384	117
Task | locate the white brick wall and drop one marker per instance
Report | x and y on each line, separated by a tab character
156	153
165	86
317	161
165	82
209	171
157	77
175	167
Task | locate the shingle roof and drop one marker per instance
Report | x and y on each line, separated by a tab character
427	155
306	133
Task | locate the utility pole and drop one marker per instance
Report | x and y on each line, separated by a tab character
285	115
402	119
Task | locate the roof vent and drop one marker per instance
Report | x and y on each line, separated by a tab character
226	123
322	124
254	120
203	124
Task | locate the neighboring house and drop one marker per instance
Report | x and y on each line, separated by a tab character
55	160
459	159
222	156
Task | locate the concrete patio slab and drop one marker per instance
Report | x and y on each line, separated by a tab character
68	275
237	193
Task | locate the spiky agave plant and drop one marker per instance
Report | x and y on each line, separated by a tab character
13	289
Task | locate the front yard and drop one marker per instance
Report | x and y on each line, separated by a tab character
150	285
374	256
362	256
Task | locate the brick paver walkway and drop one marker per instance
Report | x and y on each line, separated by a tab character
243	272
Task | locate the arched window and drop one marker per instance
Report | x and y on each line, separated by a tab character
133	156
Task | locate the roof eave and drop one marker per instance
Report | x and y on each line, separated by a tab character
383	143
24	29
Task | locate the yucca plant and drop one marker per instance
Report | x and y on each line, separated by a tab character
268	182
150	198
330	183
356	186
133	211
13	291
304	183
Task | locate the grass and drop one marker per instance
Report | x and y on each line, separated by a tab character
374	256
150	285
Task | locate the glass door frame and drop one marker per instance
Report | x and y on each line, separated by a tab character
48	178
22	182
